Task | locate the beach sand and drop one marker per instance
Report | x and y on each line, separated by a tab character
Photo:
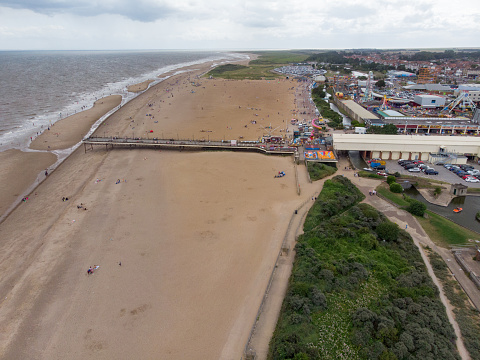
18	170
69	131
197	235
140	86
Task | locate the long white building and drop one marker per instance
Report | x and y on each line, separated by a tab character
392	147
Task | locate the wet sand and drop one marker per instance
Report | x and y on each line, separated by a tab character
197	234
67	132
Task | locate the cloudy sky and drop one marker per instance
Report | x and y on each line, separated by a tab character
235	24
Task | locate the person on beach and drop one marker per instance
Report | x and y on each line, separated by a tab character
90	270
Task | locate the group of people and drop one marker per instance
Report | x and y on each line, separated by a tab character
372	192
92	269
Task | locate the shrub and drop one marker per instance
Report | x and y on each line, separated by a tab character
390	179
437	191
387	231
416	208
396	188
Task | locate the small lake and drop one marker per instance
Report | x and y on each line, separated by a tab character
466	218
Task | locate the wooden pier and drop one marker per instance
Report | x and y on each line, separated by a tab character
192	145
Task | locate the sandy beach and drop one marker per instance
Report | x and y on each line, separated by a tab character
140	87
185	242
18	170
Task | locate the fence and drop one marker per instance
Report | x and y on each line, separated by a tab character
466	268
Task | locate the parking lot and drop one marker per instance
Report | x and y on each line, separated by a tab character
443	174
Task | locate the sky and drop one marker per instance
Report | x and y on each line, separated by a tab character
237	25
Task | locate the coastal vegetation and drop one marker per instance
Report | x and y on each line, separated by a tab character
359	288
466	315
319	171
260	68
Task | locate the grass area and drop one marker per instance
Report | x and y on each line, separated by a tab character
473	190
369	174
279	57
319	171
466	315
398	199
445	232
442	231
257	72
260	68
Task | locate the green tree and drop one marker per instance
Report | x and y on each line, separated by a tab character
388	129
416	208
381	83
396	188
390	179
437	191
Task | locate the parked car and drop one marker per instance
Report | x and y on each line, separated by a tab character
414	169
409	166
472	179
473	172
465	177
431	172
382	173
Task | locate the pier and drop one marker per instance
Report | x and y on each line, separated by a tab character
192	145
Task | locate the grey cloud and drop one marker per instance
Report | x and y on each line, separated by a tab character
139	10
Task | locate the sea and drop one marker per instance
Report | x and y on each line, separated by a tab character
38	88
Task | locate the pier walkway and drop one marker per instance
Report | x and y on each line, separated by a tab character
172	144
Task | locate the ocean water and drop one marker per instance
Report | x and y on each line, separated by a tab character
37	88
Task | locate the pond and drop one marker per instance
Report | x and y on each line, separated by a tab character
466	218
